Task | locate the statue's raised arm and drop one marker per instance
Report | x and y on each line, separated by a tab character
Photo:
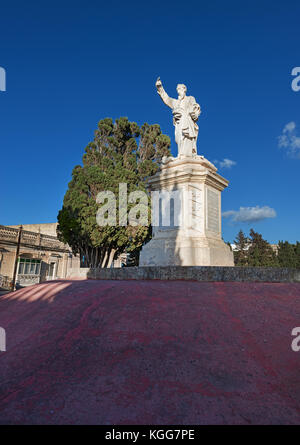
164	96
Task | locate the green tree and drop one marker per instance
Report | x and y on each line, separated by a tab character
241	252
287	254
121	152
297	254
260	252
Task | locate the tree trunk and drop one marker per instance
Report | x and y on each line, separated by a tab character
102	253
111	257
104	259
96	257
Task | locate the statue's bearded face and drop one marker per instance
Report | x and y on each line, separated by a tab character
181	90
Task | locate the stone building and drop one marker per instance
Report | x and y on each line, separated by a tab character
42	256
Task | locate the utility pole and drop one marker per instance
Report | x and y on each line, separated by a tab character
13	284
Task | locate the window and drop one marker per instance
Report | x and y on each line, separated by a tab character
28	266
21	268
51	270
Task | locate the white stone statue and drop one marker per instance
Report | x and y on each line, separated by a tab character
185	115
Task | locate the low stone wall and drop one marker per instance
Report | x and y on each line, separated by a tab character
198	273
78	272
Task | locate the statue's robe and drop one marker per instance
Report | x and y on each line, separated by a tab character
186	128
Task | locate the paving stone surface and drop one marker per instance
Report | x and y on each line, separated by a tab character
150	352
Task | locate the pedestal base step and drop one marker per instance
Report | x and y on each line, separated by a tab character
186	252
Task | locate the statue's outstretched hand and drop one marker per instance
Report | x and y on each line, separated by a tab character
158	83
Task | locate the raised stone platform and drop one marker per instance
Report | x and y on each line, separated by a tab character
198	273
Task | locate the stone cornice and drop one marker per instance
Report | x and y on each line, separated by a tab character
189	173
34	240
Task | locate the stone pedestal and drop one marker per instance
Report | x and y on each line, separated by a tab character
188	189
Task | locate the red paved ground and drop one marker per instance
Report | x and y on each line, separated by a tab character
150	352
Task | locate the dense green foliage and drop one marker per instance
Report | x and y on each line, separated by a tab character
241	254
260	252
255	251
288	254
121	152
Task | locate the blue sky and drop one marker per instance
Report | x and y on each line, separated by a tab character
71	63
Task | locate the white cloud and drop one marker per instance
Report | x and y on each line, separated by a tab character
226	163
250	214
290	141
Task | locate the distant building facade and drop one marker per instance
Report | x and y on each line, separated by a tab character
235	248
42	257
